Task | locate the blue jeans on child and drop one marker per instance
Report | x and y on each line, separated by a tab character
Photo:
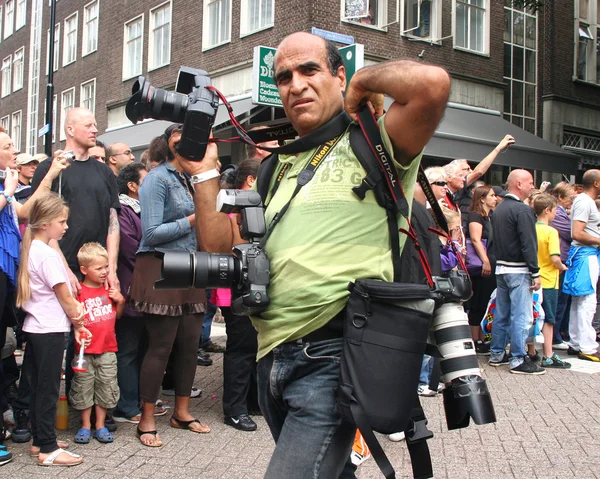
426	368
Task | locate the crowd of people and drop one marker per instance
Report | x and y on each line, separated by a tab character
78	267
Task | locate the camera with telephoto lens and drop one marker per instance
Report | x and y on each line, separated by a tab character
245	271
191	104
466	394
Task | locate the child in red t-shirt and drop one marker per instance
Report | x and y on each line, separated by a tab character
97	386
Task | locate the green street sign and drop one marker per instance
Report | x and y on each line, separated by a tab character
264	90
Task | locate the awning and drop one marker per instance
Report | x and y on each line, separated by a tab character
472	133
139	136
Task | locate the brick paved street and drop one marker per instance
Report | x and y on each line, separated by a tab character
548	426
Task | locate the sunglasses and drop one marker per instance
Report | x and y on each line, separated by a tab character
439	183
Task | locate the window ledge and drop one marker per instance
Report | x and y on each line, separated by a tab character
124	78
17	89
585	82
67	64
89	53
364	25
472	52
414	38
262	29
216	45
158	67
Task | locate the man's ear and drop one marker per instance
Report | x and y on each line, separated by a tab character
111	160
133	186
69	130
341	74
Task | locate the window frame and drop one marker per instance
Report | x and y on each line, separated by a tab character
54	110
63	114
152	33
586	25
81	99
125	74
5	122
244	17
486	27
206	27
15	86
56	48
16	138
1	22
9	31
4	92
20	14
86	29
435	29
382	16
65	35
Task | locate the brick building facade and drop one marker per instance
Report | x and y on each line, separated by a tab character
103	45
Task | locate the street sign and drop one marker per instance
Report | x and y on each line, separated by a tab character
43	130
333	36
264	90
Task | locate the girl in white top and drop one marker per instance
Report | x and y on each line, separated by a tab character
44	292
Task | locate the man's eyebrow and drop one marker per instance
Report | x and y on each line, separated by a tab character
301	66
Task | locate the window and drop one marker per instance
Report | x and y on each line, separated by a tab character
56	49
587	48
70	40
88	95
471	25
256	15
159	49
9	18
6	75
365	12
21	14
5	123
18	69
15	133
133	46
90	28
0	22
422	19
67	102
520	60
54	107
216	23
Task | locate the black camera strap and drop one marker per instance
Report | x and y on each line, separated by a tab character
304	177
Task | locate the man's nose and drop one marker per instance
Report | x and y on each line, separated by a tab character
298	82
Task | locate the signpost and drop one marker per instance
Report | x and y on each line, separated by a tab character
264	90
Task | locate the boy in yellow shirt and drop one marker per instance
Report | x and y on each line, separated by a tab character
550	264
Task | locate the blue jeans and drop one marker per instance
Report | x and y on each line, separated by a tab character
426	368
297	384
211	310
130	333
513	317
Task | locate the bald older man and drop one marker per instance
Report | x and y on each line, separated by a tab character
118	155
517	275
582	277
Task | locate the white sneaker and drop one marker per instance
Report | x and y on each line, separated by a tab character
357	458
561	346
396	437
194	393
9	418
425	391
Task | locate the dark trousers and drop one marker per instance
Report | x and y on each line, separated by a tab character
131	340
239	364
47	353
563	309
24	399
165	333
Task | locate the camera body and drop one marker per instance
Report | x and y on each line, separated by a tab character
69	156
246	271
191	104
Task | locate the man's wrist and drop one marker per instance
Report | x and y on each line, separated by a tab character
204	176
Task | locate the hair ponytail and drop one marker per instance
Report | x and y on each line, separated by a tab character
44	210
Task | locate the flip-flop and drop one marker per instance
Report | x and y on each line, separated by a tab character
104	436
178	424
50	460
152	433
34	451
83	436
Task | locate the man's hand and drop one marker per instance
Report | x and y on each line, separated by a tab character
75	286
209	162
11	181
537	284
357	96
116	296
486	269
112	281
506	142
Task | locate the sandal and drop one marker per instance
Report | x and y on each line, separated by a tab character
152	433
51	460
178	424
34	451
103	435
83	436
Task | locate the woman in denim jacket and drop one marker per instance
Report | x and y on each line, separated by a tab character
173	318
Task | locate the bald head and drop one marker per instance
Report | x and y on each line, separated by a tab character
520	183
80	129
590	177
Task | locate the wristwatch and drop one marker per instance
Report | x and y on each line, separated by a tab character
207	175
9	198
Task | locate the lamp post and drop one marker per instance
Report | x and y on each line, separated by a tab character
50	85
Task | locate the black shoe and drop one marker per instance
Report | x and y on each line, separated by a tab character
21	431
243	422
482	348
109	423
12	393
534	357
204	360
212	347
528	367
572	352
503	360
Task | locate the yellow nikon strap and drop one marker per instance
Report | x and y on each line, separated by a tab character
303	178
